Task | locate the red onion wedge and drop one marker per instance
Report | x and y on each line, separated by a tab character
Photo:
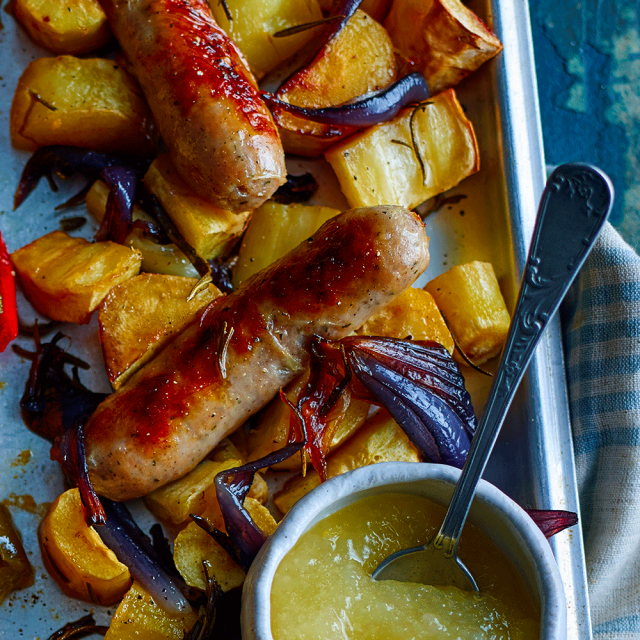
65	162
377	107
56	406
552	522
132	547
417	382
243	538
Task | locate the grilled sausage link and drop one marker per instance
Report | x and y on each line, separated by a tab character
204	99
243	348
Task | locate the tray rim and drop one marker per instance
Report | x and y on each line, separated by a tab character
545	383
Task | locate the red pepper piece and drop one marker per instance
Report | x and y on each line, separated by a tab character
8	308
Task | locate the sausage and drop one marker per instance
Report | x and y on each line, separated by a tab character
204	99
236	356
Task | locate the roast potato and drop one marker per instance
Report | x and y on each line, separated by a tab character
382	165
90	103
66	278
73	26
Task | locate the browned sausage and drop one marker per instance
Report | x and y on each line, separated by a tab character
228	364
219	132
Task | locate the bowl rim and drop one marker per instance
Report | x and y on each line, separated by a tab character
346	488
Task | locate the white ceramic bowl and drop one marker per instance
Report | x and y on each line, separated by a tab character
510	528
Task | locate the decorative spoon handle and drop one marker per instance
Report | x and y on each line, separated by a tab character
574	206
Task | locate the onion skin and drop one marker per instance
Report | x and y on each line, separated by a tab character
379	107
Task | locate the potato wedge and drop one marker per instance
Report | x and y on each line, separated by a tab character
470	299
379	440
380	165
73	26
138	317
75	556
193	546
66	278
273	231
193	493
208	229
156	258
443	38
90	103
254	23
359	60
413	313
138	616
272	429
15	569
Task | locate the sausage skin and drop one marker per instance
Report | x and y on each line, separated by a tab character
204	99
244	348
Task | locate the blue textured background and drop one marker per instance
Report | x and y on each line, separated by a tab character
588	67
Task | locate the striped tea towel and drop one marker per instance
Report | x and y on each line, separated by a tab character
601	320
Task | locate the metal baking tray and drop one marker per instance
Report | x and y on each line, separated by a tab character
533	460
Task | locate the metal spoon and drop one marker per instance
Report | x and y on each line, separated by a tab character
574	206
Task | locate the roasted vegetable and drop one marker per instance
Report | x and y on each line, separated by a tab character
193	493
208	229
75	26
15	569
251	24
443	39
8	308
273	231
139	316
193	547
360	59
417	382
56	406
139	616
414	313
421	152
64	162
77	559
66	278
156	257
469	297
89	103
134	549
379	440
272	429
